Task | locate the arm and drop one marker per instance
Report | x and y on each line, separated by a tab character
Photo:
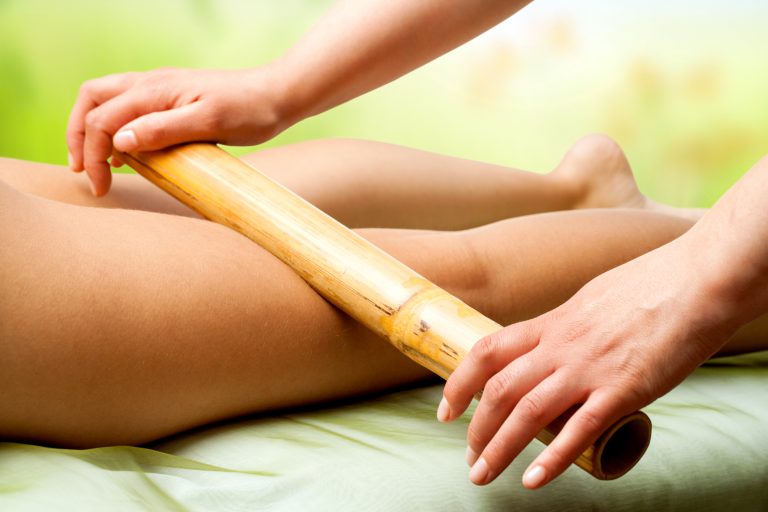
733	237
359	46
626	338
356	47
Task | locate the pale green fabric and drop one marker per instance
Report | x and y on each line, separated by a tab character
709	452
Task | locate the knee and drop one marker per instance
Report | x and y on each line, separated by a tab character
448	259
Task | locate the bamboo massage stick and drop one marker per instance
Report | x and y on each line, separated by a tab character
423	321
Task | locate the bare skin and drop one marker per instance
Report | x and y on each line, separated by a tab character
170	321
328	66
373	184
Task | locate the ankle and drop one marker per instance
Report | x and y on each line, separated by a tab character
573	188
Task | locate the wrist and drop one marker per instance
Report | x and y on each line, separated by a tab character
291	100
725	282
269	95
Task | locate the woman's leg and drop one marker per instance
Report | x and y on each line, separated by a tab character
374	184
129	191
120	326
371	184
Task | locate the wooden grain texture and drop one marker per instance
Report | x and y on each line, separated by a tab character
423	321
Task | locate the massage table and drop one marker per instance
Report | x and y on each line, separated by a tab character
709	451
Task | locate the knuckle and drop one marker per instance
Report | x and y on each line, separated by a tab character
95	164
87	87
591	421
95	158
153	91
159	77
638	393
153	75
531	409
475	439
485	350
576	331
497	390
95	120
94	85
150	84
124	80
73	135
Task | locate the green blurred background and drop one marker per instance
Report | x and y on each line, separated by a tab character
682	85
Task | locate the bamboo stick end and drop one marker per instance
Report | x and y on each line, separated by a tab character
620	448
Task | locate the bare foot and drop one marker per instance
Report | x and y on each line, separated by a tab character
597	168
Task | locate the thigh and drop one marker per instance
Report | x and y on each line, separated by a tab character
58	183
122	326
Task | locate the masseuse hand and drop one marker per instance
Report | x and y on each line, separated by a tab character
626	338
156	109
347	53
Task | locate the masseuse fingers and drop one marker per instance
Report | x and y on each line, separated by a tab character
103	122
92	94
500	396
582	429
100	123
533	412
487	357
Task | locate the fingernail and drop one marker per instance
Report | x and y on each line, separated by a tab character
125	140
479	472
534	477
443	411
70	161
93	188
471	456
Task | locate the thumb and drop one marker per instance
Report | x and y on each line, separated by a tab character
158	130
